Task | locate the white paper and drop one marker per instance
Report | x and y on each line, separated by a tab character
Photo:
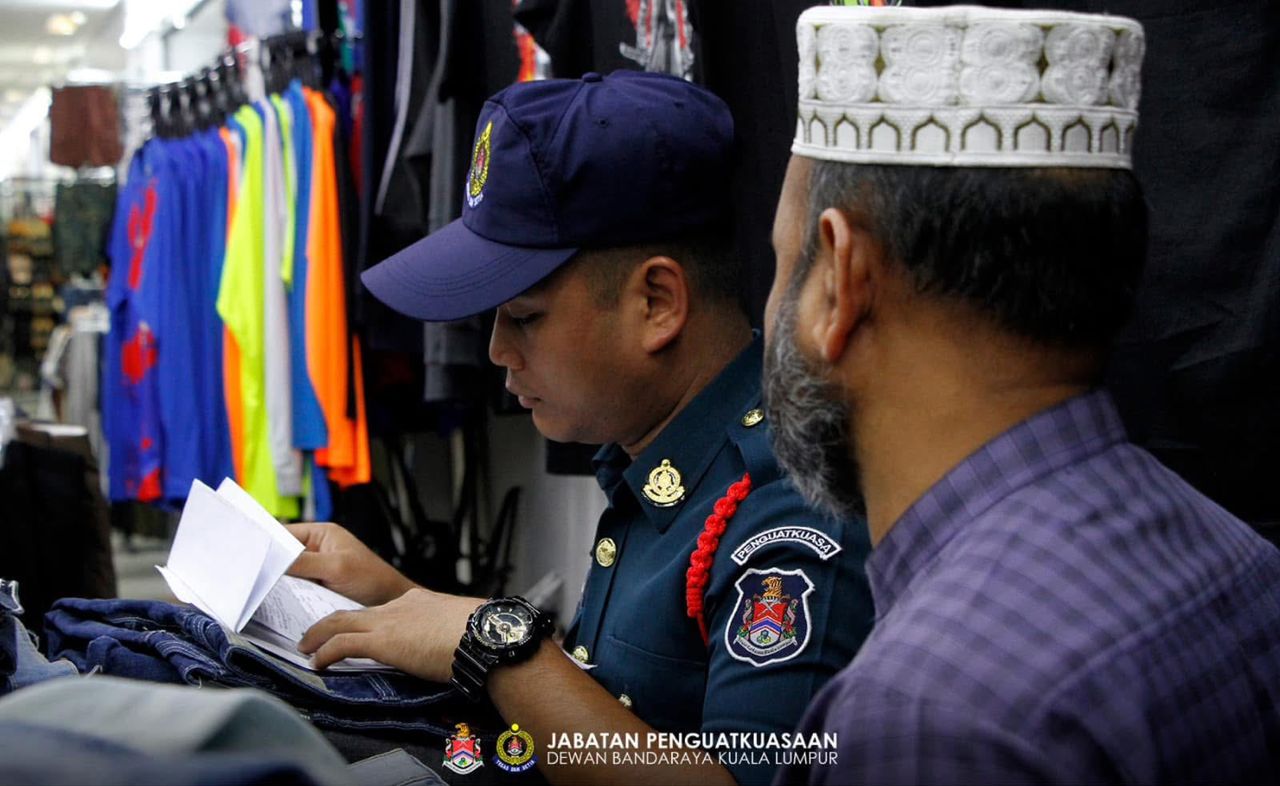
218	554
229	558
294	605
182	592
285	548
285	649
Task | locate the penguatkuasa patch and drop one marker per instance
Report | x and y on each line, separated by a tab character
771	621
822	543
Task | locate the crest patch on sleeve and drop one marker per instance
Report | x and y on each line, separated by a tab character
770	622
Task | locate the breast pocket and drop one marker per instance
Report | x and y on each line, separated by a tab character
664	691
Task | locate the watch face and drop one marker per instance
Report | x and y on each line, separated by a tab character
504	624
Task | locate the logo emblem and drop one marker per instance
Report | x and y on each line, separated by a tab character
462	751
664	488
772	624
515	750
479	174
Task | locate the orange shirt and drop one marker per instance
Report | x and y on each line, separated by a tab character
328	353
230	350
362	470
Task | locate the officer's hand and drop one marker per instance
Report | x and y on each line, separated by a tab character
417	633
339	561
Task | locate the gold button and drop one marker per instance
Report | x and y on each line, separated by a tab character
753	418
606	552
625	699
580	654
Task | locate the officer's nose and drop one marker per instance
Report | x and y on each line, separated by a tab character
502	350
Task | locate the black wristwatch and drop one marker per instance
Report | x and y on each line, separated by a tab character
501	632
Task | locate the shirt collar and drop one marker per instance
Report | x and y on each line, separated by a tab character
690	441
1049	440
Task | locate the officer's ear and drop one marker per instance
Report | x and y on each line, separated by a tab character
661	291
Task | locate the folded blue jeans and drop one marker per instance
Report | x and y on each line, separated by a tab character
21	663
163	642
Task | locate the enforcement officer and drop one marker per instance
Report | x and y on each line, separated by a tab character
716	601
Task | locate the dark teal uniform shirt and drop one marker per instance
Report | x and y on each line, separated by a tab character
787	605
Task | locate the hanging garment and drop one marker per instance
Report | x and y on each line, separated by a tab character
277	247
84	126
213	410
81	225
179	349
131	408
361	470
309	432
241	304
328	353
231	387
82	370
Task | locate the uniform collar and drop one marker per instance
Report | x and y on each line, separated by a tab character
1048	441
690	441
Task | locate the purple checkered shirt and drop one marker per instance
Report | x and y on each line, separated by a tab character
1061	608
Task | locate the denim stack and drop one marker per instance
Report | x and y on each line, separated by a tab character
163	642
21	663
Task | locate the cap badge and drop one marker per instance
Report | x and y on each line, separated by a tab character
664	488
479	174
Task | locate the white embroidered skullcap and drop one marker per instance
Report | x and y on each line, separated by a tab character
967	86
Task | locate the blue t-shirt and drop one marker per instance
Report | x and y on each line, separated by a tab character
130	389
309	429
217	457
181	343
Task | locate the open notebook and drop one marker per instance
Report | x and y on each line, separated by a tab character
228	560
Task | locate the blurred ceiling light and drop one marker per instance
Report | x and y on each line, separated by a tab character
43	5
145	17
78	17
63	24
15	136
42	55
90	76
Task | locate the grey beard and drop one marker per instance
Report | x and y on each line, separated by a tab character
809	422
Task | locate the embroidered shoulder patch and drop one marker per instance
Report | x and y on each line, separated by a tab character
770	623
821	543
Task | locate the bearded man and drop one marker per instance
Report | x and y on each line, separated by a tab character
959	239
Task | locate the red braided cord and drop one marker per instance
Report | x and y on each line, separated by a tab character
704	555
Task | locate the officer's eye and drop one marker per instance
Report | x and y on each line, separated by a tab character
524	320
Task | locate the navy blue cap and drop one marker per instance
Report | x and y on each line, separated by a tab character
562	165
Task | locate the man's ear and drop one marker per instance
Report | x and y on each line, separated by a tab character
843	271
664	286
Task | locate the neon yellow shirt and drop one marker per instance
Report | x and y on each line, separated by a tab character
241	304
285	114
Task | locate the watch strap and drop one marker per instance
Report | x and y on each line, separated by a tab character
471	666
